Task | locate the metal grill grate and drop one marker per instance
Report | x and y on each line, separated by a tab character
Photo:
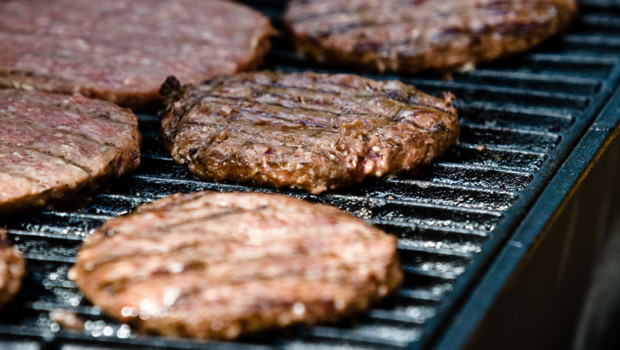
520	119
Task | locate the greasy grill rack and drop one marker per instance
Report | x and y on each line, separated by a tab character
521	118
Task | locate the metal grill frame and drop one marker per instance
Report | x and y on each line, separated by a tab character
557	158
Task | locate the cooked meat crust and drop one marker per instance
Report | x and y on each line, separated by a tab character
12	269
220	265
122	51
53	145
413	35
304	130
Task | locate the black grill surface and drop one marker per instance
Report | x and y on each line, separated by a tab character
520	119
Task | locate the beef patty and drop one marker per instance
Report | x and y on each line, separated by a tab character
12	269
219	265
53	145
123	50
304	130
408	36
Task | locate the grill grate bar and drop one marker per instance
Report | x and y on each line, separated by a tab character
443	253
48	258
121	197
146	154
588	45
464	167
494	158
418	295
472	176
439	275
493	75
373	202
533	111
460	246
383	315
600	20
513	132
503	148
427	185
74	215
568	65
599	40
603	23
526	140
489	76
38	234
55	229
446	194
485	116
196	182
357	339
573	59
522	111
437	230
523	95
50	306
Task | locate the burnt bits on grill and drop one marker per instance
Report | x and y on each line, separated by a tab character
53	146
409	36
12	269
221	265
305	131
122	51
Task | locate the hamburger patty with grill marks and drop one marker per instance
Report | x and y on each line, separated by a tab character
409	36
123	50
53	146
220	265
307	131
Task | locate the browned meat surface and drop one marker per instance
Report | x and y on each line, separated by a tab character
52	146
12	269
67	320
304	130
412	35
220	265
123	50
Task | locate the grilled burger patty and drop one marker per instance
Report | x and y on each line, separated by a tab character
123	50
53	145
304	130
220	265
408	36
12	269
